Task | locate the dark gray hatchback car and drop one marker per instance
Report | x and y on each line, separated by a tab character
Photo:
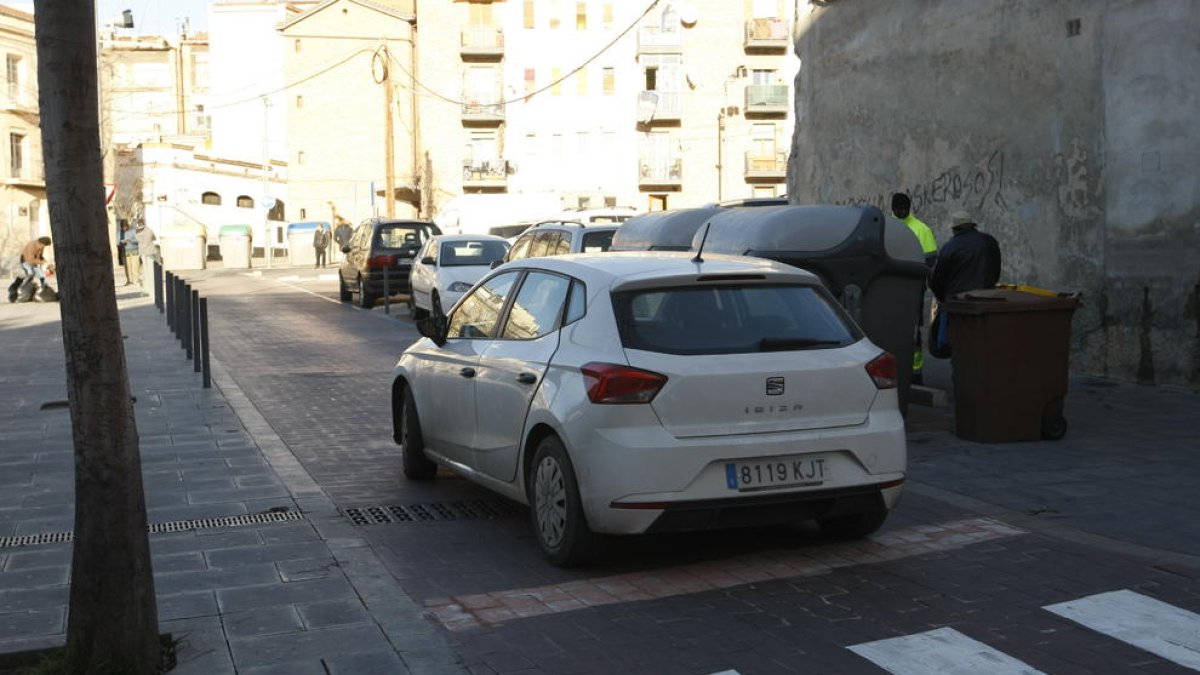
381	251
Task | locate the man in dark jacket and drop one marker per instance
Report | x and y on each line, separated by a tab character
968	262
341	236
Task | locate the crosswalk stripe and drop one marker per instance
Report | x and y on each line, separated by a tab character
945	651
1153	625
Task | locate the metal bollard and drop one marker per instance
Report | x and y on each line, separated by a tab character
170	284
387	291
185	335
158	289
195	353
207	370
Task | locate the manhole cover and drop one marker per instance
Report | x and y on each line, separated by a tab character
471	509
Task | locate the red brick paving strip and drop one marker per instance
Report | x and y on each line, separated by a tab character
464	612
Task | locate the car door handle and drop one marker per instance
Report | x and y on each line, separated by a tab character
527	378
467	372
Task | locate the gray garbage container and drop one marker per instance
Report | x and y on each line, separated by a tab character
235	246
183	249
662	230
300	243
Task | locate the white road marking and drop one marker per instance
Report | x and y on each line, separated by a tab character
944	651
1152	625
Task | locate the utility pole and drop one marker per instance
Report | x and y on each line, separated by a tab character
269	250
389	146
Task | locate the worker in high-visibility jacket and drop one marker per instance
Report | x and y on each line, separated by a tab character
902	209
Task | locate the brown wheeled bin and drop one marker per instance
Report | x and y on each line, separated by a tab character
1011	348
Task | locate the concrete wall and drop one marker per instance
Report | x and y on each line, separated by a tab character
1067	128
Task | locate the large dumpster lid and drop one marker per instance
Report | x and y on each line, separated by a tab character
234	230
307	226
1011	299
662	230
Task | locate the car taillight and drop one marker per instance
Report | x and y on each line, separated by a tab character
379	262
883	371
612	383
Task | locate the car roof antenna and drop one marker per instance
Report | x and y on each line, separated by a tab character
698	258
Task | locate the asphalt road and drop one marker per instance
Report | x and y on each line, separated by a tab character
994	563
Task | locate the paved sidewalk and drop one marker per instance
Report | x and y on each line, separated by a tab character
262	574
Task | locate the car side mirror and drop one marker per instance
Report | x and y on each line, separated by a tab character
345	249
427	260
497	263
433	327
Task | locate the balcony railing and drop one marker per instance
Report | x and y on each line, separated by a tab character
770	166
659	106
660	172
482	113
481	42
766	34
484	174
30	173
655	40
17	100
766	99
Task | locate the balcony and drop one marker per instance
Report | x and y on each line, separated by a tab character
766	99
766	168
489	174
475	113
659	107
655	40
764	35
17	101
481	43
660	173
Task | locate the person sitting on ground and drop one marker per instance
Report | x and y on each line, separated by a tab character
33	261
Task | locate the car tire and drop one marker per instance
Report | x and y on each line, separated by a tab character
555	507
415	312
417	466
435	304
365	300
855	526
343	293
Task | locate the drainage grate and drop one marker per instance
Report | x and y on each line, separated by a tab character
172	526
471	509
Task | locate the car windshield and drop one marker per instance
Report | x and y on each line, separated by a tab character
401	236
464	253
731	319
597	241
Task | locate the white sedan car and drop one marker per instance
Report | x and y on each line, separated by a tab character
628	393
448	266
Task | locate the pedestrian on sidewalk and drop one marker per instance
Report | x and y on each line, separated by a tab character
147	246
121	248
970	261
342	233
33	260
902	209
321	243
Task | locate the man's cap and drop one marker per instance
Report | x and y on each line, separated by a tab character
959	218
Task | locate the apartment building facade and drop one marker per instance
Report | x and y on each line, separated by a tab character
23	190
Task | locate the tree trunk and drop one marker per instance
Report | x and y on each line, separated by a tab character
113	620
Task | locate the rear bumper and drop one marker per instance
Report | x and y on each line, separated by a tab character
397	281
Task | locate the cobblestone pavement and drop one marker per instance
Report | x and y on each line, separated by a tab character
1075	556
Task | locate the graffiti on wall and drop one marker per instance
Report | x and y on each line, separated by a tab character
973	187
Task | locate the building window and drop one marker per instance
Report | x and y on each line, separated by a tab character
556	79
300	157
610	81
13	73
276	212
299	101
210	198
608	16
529	14
245	202
762	191
203	121
296	45
555	14
303	214
581	16
657	203
480	15
763	77
530	82
16	154
610	202
581	83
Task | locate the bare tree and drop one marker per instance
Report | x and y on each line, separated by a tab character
113	622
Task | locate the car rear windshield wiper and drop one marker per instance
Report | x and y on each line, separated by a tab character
772	343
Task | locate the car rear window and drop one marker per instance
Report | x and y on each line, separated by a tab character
597	241
464	253
731	319
401	236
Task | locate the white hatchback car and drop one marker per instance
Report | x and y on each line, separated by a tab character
627	393
448	266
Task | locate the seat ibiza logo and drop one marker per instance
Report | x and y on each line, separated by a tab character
774	386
